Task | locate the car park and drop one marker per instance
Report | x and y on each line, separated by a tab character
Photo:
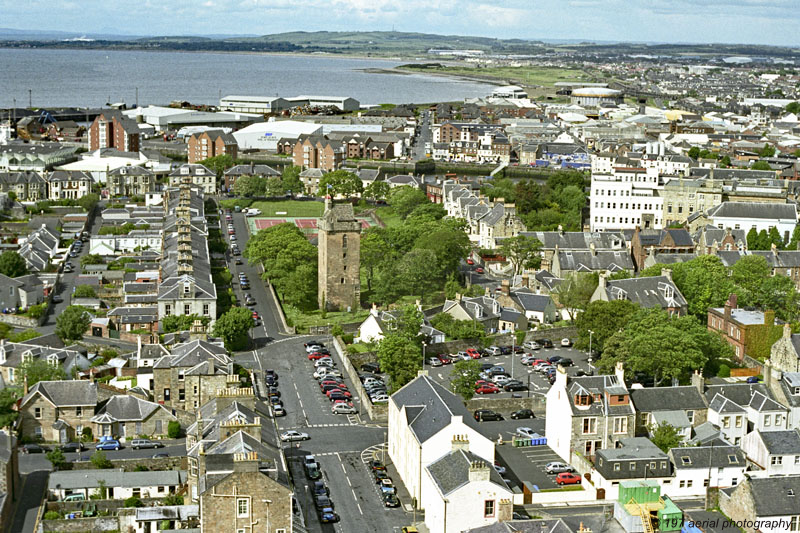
376	466
501	380
292	435
556	467
374	368
325	371
522	413
527	432
566	343
463	356
567	478
531	345
444	358
434	362
379	399
487	389
483	415
343	409
514	385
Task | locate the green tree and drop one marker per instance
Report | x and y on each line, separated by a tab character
375	250
291	179
100	461
36	370
405	199
793	107
694	152
174	429
57	459
575	292
218	164
299	287
12	264
411	320
523	252
775	238
400	359
604	319
760	165
779	294
133	501
340	183
465	374
428	212
73	323
704	282
92	259
665	437
84	291
377	191
250	186
173	323
89	201
8	398
233	327
795	238
725	161
275	187
419	272
24	335
448	240
748	273
767	151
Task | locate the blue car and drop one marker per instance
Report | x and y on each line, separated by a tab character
752	379
109	444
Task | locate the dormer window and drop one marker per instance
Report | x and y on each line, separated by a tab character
732	459
686	460
53	360
583	399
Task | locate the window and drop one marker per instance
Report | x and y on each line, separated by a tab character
616	467
690	416
739	421
181	395
797	459
166	395
778	420
726	422
181	375
242	507
167	309
767	420
186	310
37	413
488	508
706	482
632	465
205	309
682	484
734	481
688	483
620	424
776	460
79	411
686	460
589	425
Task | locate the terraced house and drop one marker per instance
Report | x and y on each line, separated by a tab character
29	186
63	184
131	181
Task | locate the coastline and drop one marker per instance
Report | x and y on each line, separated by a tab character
488	80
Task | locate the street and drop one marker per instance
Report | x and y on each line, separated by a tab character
425	136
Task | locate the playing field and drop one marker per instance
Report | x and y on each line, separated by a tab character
307	225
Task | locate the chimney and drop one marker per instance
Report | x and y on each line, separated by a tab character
25	385
602	281
787	331
619	371
666	272
561	376
245	462
766	370
505	510
727	309
374	310
698	381
418	305
774	248
592	248
458	297
479	471
560	229
505	287
460	442
138	347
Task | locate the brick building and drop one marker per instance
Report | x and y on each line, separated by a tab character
112	129
317	152
211	143
339	242
740	327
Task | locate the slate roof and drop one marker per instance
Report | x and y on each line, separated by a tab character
741	393
531	302
79	479
252	170
67	393
633	448
648	292
128	409
591	385
524	526
451	472
580	261
578	240
774	496
776	259
654	399
656	237
721	404
757	210
781	442
708	456
433	407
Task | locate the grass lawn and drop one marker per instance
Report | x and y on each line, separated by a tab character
565	488
524	75
388	216
302	321
290	208
360	348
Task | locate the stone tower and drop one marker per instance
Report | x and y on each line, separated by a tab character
339	282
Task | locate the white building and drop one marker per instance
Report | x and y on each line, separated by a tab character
758	215
509	91
777	453
194	174
424	419
625	199
343	103
254	104
266	135
119	244
693	465
119	485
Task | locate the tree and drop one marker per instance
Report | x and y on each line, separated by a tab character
274	187
411	320
173	499
12	264
89	201
99	460
779	294
84	291
694	152
748	273
704	282
73	323
173	323
405	199
665	437
374	251
767	151
575	292
419	272
299	287
604	319
133	501
428	212
377	190
291	179
400	359
753	240
523	252
218	164
775	238
465	374
340	183
233	327
250	186
36	370
57	459
725	161
8	397
174	429
793	107
795	238
760	165
92	259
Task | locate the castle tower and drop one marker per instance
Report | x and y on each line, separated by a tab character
339	283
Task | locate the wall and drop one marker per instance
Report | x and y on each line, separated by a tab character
80	525
536	403
377	413
129	465
19	321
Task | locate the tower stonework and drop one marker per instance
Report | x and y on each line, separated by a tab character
339	282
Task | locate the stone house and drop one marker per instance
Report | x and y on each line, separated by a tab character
711	239
192	374
58	411
783	262
118	484
378	323
647	241
198	175
648	292
310	179
695	468
587	414
784	355
484	310
655	405
13	354
211	143
29	186
68	184
232	174
770	501
566	263
21	292
131	417
131	181
741	328
576	241
501	222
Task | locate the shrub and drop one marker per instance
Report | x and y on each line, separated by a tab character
348	338
52	515
99	460
173	499
133	501
25	335
140	468
37	311
86	434
174	429
724	371
337	330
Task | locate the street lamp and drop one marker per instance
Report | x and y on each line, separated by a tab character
590	345
424	345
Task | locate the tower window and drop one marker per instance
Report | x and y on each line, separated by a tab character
344	241
343	281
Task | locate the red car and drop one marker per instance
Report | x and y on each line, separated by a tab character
444	358
343	391
338	383
472	352
568	478
470	262
483	383
318	355
479	270
255	314
487	389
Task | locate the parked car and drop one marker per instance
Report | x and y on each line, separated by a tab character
514	385
374	368
292	435
343	409
320	489
752	379
322	502
390	500
556	467
313	472
110	444
487	389
33	448
501	380
566	478
545	343
522	413
566	343
74	498
470	262
327	516
555	359
145	443
531	345
479	270
313	356
278	410
376	465
565	361
380	475
72	447
387	487
473	353
57	299
494	350
434	361
444	358
484	415
527	432
160	455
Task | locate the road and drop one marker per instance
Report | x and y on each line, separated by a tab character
38	461
337	441
425	136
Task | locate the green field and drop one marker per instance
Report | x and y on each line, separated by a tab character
546	76
302	321
290	208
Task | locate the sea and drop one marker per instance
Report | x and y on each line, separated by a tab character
94	78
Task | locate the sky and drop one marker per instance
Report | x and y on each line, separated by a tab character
771	22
